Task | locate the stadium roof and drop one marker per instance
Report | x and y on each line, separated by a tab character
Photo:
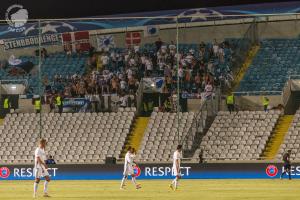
75	8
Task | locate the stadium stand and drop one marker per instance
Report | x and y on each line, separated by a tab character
238	136
291	140
161	136
53	66
280	55
120	70
74	138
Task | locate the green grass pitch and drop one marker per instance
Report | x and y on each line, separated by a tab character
157	190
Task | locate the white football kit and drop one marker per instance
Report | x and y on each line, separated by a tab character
176	156
39	170
128	165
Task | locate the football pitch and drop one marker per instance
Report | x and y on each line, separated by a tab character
157	190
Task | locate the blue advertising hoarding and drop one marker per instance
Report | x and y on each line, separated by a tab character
152	171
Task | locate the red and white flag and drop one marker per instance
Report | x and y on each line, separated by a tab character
77	40
133	38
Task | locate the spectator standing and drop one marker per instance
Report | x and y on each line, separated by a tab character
52	103
172	48
168	105
158	44
215	48
105	61
68	50
123	100
149	67
208	90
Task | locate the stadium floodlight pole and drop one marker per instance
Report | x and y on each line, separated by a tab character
39	81
178	85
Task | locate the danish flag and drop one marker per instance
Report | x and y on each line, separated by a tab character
133	38
79	39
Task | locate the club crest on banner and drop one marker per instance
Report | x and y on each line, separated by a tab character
16	17
105	42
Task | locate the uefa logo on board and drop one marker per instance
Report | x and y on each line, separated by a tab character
137	171
16	17
271	170
4	172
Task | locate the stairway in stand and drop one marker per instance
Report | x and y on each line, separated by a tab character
277	137
137	133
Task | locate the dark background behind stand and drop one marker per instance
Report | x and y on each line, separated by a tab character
70	8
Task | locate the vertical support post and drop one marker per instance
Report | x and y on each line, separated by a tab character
40	79
178	84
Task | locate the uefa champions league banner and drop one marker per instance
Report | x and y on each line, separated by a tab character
13	29
151	171
49	39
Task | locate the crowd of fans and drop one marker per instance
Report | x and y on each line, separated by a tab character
119	71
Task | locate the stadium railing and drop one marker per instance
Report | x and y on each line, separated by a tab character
208	109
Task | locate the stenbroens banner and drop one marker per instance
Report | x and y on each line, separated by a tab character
152	171
49	39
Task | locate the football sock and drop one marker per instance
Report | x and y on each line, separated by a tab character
133	180
176	183
35	187
46	187
173	182
123	182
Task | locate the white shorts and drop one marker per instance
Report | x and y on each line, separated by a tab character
40	173
175	172
128	170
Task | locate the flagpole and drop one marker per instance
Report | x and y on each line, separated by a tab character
178	85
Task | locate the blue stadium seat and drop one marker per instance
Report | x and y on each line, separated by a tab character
276	60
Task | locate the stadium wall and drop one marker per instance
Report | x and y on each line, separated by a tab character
28	51
188	33
152	171
254	102
197	34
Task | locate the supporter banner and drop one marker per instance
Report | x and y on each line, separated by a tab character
75	104
151	31
133	38
76	40
191	96
49	39
153	84
105	42
152	171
